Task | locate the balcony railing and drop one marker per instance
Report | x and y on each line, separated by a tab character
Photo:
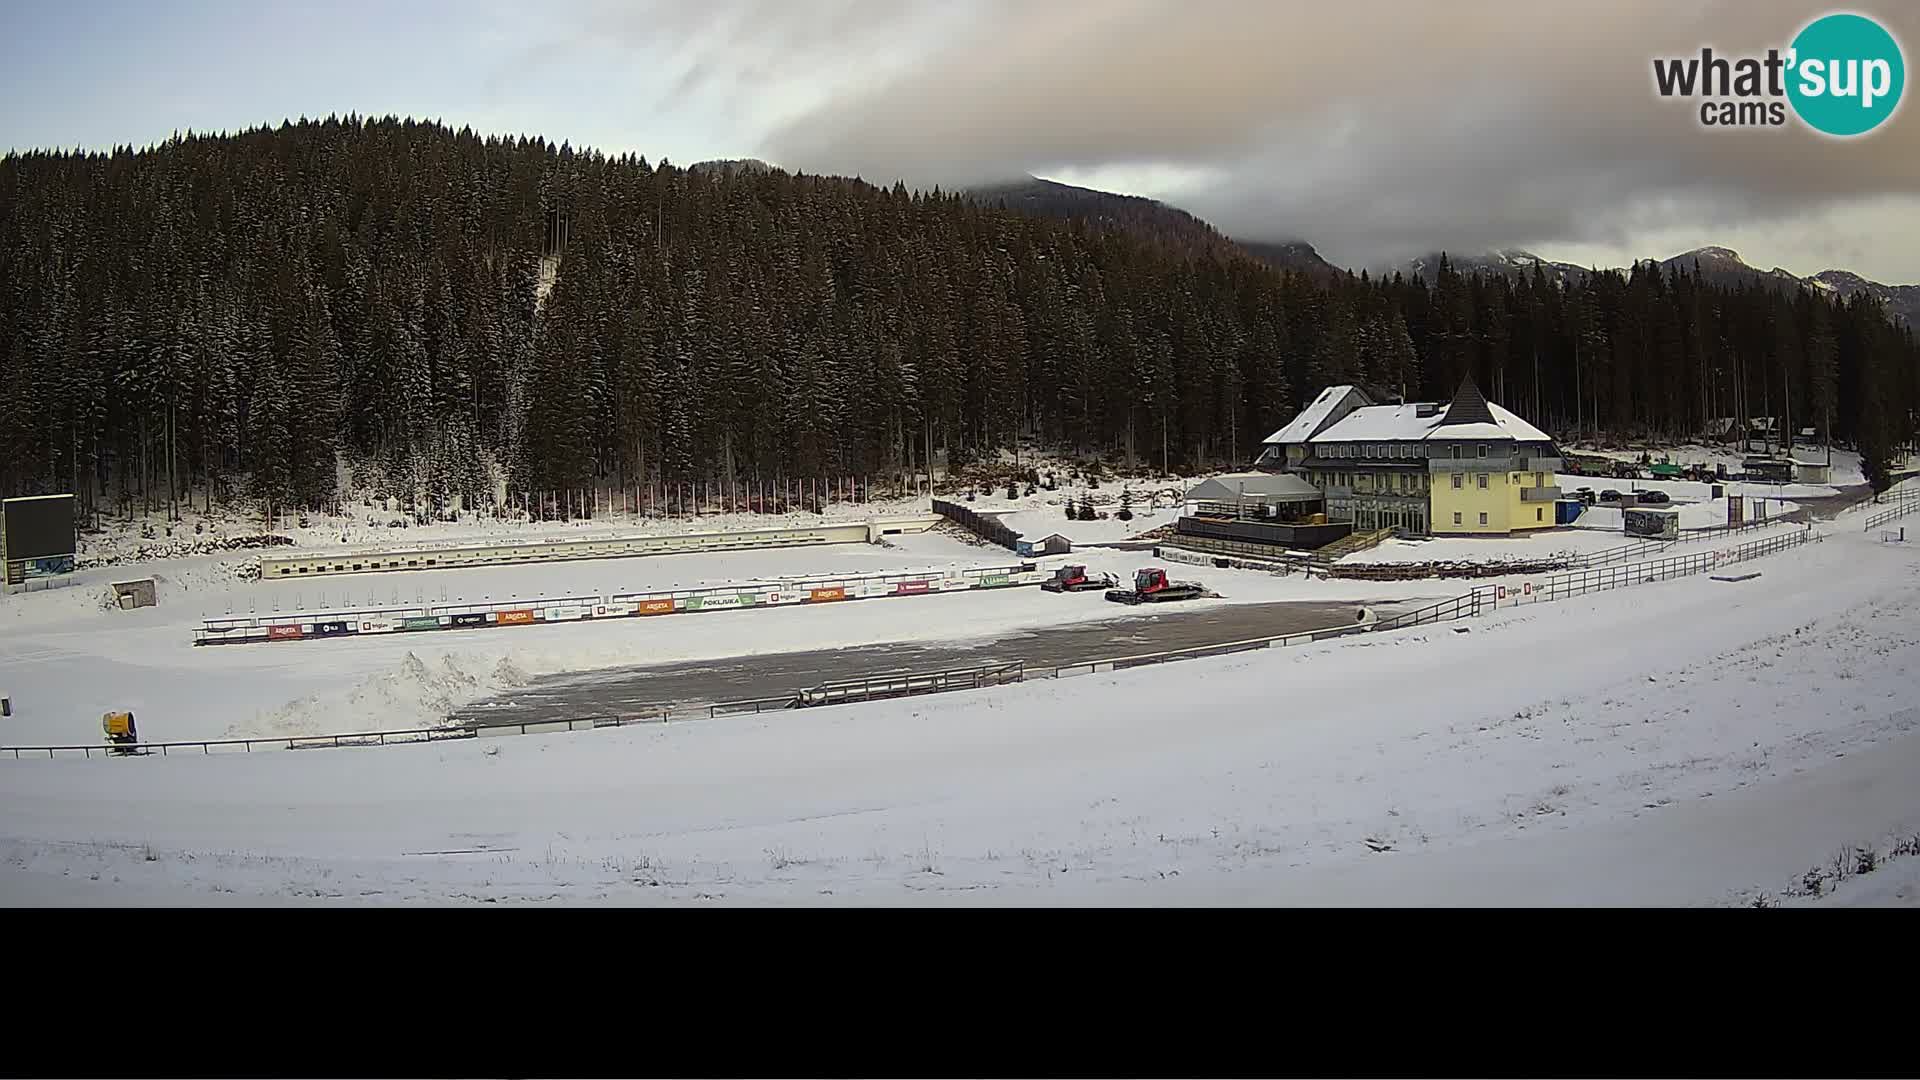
1539	494
1507	463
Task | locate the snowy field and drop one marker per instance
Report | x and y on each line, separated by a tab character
368	528
1692	742
66	656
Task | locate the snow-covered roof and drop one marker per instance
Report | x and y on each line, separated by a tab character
1400	423
1304	425
1517	428
1381	423
1403	423
1276	487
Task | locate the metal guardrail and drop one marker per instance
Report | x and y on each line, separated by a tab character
286	742
1581	582
876	687
1898	501
881	687
1625	552
1876	520
1466	605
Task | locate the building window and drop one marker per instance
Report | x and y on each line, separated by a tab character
1539	479
1453	452
1456	517
1483	449
1456	480
1483	480
1539	514
1483	518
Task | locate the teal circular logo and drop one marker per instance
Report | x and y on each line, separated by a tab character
1847	74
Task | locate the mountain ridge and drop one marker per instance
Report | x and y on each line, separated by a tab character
1182	228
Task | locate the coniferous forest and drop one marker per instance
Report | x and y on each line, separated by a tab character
238	313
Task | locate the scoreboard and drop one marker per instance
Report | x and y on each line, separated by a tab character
37	537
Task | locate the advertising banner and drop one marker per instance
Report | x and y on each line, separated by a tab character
420	622
509	618
835	593
282	633
656	607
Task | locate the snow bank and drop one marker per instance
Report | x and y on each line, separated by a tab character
414	694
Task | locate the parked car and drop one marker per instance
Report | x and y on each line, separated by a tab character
1654	498
1610	495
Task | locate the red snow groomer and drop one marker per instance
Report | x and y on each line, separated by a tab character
1150	586
1076	579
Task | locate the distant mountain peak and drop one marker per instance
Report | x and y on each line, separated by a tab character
1712	251
1146	217
1507	262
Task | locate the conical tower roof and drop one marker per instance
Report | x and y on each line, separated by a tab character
1469	406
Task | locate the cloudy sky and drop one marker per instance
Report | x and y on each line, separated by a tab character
1373	128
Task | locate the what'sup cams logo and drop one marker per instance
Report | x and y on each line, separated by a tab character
1843	76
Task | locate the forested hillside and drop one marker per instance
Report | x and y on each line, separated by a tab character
251	306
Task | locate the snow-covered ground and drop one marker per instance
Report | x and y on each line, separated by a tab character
359	527
1547	544
1698	508
1685	742
1707	514
67	656
1893	884
1846	463
1044	512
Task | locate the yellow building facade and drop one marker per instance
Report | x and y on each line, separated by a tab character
1465	468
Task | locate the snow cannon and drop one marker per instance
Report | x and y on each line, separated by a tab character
121	734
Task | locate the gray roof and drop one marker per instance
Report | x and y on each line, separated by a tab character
1258	486
1469	406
